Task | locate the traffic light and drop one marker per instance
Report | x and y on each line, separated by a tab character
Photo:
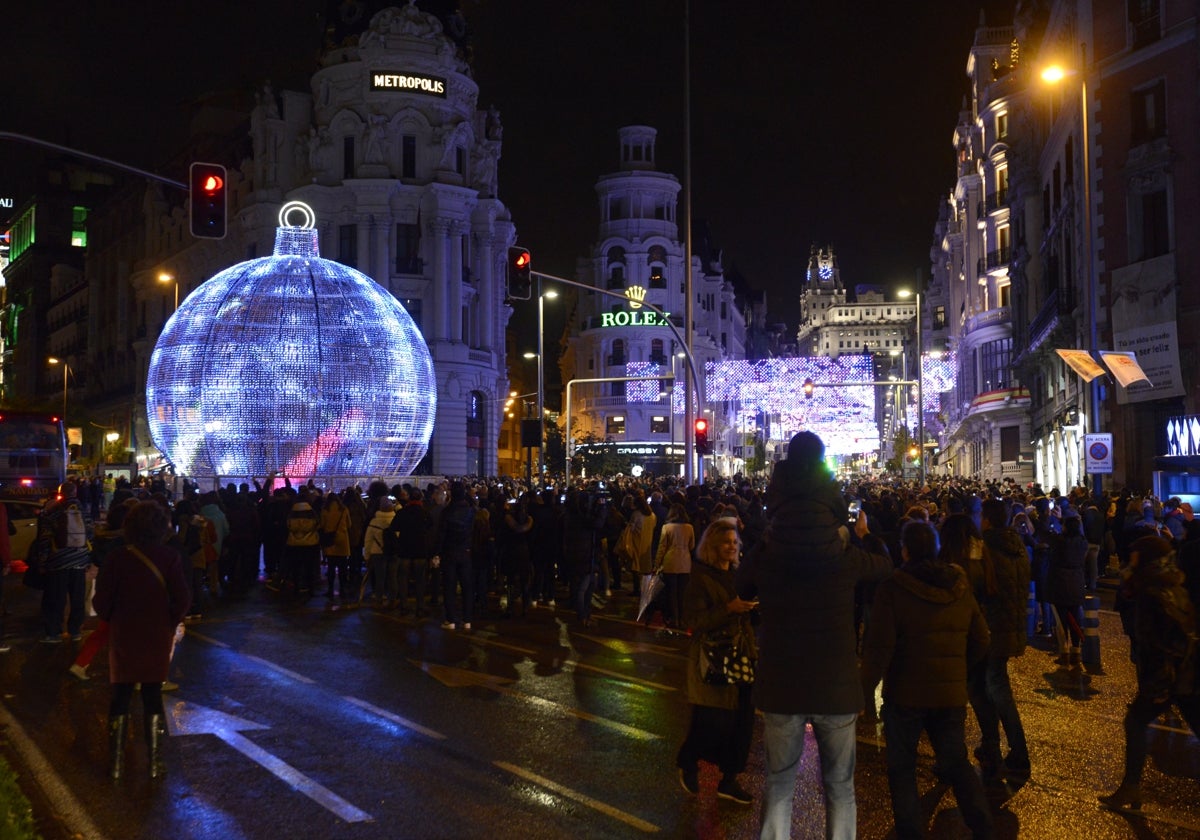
520	276
701	436
808	389
207	200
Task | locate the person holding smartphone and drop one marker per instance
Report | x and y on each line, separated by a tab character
804	575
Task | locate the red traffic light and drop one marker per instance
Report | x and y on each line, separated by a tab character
520	273
207	200
701	429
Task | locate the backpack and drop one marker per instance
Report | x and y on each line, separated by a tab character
68	530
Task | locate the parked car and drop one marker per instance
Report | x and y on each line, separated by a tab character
22	514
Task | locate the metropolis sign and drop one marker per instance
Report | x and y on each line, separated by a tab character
409	83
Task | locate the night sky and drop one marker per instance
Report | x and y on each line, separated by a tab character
812	122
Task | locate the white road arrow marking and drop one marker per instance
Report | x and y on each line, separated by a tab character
192	719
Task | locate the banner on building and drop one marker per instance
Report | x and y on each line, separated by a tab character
1144	323
1081	362
1124	366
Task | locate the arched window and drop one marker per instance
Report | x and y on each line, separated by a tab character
657	356
657	261
618	353
616	267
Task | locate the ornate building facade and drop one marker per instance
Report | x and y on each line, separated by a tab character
985	429
639	255
391	150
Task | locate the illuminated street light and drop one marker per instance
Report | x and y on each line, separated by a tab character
1053	75
164	277
904	293
66	372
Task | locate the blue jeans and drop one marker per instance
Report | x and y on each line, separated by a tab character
902	727
993	702
783	738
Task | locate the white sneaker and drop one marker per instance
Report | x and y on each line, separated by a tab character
466	625
550	603
447	625
79	672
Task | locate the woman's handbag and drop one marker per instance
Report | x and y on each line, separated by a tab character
726	659
626	550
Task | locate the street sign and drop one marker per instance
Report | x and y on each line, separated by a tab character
1098	453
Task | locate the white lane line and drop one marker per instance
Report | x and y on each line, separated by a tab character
192	634
279	669
394	718
266	663
624	729
67	808
595	804
583	666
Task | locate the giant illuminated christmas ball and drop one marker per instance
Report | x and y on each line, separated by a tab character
291	364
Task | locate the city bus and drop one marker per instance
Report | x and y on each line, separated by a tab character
33	455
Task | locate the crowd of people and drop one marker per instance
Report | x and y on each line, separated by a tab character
923	589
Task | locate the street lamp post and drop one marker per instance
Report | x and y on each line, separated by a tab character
904	293
164	277
66	372
1053	75
541	376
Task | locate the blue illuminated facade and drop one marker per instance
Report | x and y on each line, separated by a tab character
291	364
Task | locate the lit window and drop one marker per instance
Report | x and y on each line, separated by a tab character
79	227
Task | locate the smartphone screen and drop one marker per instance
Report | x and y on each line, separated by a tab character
854	507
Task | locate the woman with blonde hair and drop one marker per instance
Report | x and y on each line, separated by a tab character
722	714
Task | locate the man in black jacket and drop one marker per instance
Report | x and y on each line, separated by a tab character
926	631
805	572
1003	596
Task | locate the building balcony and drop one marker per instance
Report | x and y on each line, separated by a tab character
1047	319
996	201
995	260
988	318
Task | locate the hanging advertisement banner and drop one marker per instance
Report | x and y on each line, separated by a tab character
1144	322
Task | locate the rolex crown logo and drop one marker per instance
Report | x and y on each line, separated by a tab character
635	294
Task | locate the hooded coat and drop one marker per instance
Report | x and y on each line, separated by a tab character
804	574
1005	610
926	629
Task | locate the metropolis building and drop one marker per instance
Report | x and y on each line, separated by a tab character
390	150
639	256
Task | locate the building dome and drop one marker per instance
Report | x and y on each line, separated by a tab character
291	364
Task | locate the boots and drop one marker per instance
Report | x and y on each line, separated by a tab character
118	725
1127	795
156	733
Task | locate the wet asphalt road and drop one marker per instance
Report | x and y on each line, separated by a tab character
297	720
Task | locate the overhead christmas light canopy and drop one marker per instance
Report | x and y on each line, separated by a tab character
291	364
